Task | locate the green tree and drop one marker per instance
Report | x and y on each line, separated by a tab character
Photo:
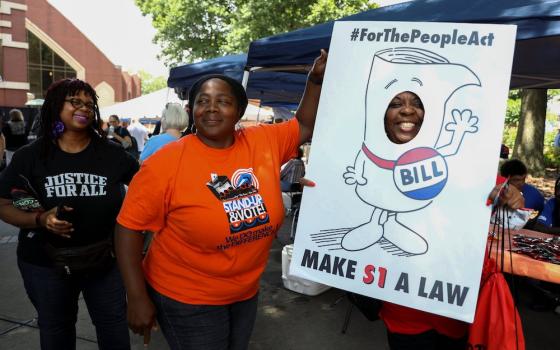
525	128
189	30
513	109
151	83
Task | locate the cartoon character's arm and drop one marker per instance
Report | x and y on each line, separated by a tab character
463	122
355	174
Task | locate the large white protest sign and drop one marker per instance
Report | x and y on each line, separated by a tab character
406	222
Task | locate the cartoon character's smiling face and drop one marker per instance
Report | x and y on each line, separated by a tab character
404	117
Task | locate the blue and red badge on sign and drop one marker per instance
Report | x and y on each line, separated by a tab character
420	173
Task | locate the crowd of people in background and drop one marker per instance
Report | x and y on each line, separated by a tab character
174	121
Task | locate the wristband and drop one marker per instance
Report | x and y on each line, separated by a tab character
38	218
315	80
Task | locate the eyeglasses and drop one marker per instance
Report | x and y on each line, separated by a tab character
77	103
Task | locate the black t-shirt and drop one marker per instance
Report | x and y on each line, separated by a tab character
15	136
122	132
91	181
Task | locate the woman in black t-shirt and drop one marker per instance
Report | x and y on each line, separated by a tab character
64	191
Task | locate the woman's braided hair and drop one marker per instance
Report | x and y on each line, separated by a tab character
56	95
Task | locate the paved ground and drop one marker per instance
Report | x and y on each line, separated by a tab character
286	320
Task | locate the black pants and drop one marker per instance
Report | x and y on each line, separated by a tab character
430	340
56	300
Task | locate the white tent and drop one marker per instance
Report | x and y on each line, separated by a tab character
151	105
257	115
145	106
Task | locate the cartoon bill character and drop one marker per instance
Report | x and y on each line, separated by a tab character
399	178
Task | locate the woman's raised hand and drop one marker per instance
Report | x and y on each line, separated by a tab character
317	72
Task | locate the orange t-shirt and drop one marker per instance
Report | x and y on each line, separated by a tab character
215	213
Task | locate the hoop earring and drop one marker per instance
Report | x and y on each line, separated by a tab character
58	129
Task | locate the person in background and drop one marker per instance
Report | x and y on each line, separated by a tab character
139	132
2	148
556	142
117	133
549	220
540	295
157	128
173	121
292	172
14	134
504	152
556	148
71	170
35	129
516	172
201	275
120	135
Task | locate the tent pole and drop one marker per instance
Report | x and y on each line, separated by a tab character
259	112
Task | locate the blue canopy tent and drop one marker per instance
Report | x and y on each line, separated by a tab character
277	89
536	62
181	78
273	89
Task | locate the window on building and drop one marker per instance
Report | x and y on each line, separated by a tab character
44	66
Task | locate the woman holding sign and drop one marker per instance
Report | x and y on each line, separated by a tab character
215	210
410	328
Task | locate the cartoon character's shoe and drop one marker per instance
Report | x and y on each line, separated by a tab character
362	237
366	235
400	240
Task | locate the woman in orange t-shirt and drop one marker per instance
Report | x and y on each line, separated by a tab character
213	200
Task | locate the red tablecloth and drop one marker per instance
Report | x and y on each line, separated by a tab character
524	265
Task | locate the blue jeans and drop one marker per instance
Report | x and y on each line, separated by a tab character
205	327
56	300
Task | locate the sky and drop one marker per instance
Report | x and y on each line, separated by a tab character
388	2
119	30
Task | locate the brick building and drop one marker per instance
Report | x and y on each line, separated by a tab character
38	46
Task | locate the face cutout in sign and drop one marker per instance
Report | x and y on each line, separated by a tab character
405	139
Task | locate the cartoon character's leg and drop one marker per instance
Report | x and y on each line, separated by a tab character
366	235
404	241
